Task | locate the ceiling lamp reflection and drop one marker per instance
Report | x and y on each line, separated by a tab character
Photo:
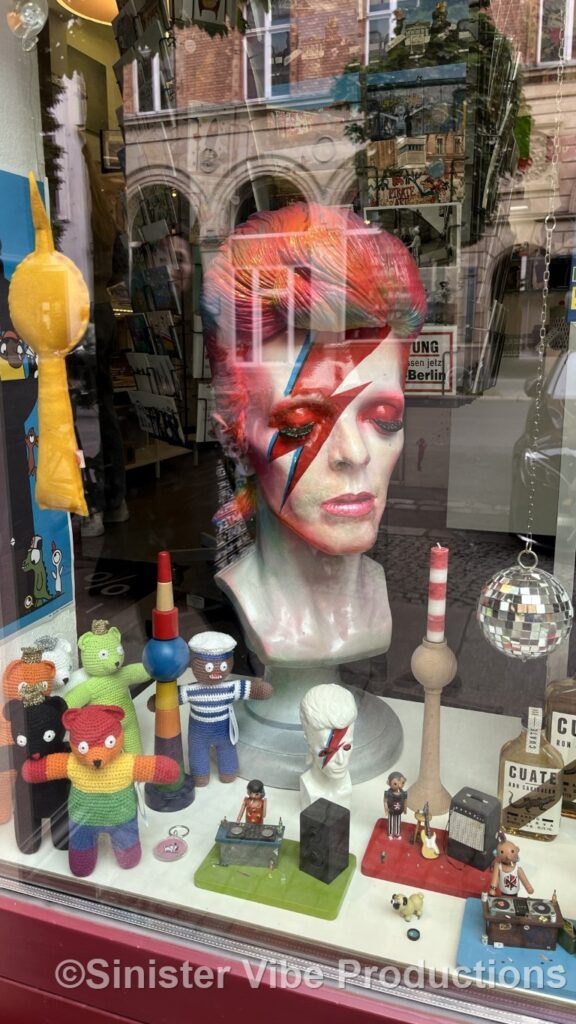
101	11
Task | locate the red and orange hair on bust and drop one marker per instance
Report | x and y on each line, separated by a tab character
322	268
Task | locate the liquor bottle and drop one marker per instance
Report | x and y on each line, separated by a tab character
561	733
530	782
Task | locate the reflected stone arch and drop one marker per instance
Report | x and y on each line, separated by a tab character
141	185
237	181
264	193
343	188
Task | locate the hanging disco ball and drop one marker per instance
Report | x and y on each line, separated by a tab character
524	612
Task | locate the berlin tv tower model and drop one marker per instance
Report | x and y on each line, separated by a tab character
166	657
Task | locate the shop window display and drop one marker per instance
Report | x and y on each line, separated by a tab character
338	350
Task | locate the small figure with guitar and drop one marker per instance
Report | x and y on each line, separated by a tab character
395	798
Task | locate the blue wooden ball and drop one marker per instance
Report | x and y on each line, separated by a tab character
166	660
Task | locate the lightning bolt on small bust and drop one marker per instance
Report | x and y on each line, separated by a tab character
328	713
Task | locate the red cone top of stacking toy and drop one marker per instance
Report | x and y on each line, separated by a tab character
164	572
164	615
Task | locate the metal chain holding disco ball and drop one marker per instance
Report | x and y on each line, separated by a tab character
523	611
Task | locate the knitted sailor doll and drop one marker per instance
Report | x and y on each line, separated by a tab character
109	680
102	794
211	699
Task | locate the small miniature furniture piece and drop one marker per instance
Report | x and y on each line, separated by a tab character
249	843
522	921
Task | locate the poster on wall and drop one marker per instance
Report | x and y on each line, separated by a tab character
35	543
432	363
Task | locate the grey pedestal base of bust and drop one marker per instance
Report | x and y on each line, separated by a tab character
276	753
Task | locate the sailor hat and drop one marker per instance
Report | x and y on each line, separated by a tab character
212	645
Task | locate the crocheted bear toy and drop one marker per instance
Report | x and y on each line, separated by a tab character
108	679
30	669
37	730
59	650
102	794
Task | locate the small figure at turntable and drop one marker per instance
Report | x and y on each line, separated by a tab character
254	803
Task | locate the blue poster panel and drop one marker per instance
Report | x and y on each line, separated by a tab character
35	544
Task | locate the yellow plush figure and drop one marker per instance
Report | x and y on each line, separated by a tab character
50	309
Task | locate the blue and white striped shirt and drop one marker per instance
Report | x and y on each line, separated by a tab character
213	703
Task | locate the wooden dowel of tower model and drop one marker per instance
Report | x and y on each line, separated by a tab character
434	665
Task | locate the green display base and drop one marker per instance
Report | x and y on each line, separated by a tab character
284	886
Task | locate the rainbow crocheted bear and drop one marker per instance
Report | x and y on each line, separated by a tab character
109	680
102	794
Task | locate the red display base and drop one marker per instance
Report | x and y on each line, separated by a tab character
405	864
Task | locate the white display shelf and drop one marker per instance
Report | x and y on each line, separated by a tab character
366	926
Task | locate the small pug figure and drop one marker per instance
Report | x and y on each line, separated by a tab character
408	906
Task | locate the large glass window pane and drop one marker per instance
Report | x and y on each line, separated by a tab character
280	69
255	68
378	37
553	23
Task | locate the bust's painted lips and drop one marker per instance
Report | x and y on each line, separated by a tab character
353	506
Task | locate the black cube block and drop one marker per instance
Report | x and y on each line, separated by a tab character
324	840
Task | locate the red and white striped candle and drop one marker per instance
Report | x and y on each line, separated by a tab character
437	587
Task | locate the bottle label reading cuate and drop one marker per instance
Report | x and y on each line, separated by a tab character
534	730
532	798
563	739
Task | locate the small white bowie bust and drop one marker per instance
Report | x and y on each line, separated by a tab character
328	713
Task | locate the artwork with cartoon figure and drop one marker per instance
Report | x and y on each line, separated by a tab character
29	536
309	397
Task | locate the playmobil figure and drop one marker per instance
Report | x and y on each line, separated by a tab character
507	877
408	906
211	699
254	803
37	731
309	315
108	679
328	713
395	803
102	794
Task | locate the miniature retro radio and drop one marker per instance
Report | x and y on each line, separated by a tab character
472	826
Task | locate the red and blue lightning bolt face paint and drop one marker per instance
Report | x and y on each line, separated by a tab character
324	434
336	745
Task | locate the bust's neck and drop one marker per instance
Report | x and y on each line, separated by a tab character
300	606
299	567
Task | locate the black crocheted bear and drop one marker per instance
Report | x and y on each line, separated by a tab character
37	730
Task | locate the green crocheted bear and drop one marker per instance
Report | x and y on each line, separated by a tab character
109	680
